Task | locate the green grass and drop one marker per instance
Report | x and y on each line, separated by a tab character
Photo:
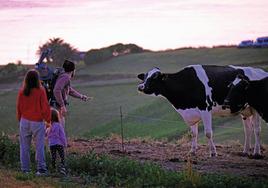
145	121
173	61
104	108
8	121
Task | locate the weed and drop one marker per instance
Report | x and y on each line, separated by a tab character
24	176
190	175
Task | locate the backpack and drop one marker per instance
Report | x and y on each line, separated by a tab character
49	80
51	99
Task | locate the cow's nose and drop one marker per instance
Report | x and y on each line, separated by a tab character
226	104
141	87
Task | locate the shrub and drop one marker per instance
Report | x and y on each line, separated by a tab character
120	172
103	54
9	151
12	69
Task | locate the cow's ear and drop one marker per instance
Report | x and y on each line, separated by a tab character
141	76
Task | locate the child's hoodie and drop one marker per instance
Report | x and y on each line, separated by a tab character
56	135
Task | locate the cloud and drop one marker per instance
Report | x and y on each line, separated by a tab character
24	4
18	4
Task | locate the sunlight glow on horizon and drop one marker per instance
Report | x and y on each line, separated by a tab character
155	25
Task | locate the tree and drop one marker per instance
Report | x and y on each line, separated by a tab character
60	51
103	54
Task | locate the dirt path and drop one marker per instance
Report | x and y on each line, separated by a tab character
174	156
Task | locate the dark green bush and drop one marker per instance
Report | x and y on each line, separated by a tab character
9	152
12	69
103	54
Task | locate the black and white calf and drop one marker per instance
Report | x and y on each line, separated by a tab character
197	92
244	92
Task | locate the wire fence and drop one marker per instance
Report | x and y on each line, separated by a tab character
124	120
124	116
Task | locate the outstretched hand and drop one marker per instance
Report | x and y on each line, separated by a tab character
86	98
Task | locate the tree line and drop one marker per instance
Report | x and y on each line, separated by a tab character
62	50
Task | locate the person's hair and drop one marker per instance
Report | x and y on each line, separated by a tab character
55	116
68	66
31	80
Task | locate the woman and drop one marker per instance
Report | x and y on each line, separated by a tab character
32	112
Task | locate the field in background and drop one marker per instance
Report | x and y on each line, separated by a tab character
113	84
172	61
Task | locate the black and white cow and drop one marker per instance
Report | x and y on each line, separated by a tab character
197	92
244	92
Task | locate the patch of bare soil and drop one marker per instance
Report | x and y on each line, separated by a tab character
173	156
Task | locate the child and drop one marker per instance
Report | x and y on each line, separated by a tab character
56	140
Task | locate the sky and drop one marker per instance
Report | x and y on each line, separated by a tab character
151	24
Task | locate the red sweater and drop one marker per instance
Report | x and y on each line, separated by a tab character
34	107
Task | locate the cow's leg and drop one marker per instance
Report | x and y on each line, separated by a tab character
248	133
256	122
207	121
194	129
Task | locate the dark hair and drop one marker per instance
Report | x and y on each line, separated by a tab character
68	66
31	80
55	115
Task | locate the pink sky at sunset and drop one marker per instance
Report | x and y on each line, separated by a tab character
155	25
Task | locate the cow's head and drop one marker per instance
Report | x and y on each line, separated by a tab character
236	98
150	81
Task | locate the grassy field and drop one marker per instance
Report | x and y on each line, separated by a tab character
143	116
173	61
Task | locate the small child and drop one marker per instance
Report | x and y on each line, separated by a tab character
56	140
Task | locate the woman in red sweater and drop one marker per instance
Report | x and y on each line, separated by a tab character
33	111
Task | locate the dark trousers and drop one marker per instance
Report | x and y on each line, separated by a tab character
53	150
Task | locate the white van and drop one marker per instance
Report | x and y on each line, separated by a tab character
261	42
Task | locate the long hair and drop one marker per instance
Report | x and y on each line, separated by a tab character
31	81
55	116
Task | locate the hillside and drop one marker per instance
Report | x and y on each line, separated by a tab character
113	84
